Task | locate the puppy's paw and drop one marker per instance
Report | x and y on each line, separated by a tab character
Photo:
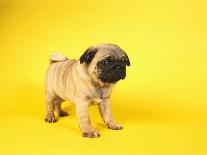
50	119
63	114
114	126
91	134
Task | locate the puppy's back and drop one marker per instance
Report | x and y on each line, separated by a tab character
58	73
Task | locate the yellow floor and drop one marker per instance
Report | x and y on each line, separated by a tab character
162	104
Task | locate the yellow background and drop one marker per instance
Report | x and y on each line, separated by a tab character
162	103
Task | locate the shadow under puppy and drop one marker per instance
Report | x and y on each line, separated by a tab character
89	80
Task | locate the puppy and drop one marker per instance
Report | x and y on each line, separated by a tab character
89	80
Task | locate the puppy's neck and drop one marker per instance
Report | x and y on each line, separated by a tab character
101	85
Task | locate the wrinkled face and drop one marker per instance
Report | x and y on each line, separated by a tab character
105	62
112	70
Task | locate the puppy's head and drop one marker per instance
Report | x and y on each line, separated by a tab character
105	62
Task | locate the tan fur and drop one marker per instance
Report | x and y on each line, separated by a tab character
69	80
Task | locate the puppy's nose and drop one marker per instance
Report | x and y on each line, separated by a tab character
118	67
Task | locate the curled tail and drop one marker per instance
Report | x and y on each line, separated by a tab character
57	57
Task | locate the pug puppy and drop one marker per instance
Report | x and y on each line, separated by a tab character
89	80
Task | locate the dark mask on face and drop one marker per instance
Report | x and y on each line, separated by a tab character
112	70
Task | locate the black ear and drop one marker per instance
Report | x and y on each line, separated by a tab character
127	60
88	55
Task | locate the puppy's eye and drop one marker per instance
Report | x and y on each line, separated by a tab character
123	59
105	62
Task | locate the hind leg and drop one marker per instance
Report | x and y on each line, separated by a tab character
58	108
50	107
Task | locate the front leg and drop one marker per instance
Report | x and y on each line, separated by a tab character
105	110
84	120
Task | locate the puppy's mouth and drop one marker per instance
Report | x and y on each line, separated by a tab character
113	75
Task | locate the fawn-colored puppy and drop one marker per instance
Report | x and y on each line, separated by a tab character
85	81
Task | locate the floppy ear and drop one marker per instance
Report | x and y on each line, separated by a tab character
127	60
88	55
